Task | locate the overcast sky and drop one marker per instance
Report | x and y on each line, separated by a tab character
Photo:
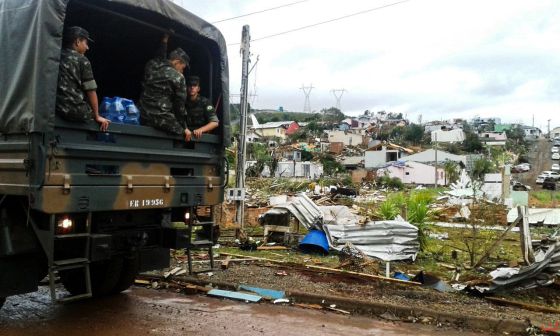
437	59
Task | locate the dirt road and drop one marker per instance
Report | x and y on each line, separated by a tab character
142	311
540	159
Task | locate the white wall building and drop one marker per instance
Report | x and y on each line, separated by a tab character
347	138
456	135
411	172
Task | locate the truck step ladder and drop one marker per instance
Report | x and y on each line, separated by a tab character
82	262
48	240
197	244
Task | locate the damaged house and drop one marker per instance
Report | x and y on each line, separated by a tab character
380	154
411	172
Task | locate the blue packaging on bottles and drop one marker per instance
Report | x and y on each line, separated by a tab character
120	110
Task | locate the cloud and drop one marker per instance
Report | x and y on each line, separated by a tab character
437	58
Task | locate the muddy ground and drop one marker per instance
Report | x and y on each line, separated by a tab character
142	311
268	275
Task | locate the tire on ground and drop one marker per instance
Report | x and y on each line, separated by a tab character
128	274
104	277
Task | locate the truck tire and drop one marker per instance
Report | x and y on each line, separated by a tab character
128	274
104	277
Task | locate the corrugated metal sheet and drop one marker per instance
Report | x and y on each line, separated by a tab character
306	212
538	216
540	273
386	240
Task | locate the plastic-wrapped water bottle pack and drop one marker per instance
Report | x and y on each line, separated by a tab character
120	110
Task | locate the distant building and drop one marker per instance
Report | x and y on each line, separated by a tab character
347	138
352	162
272	129
531	133
452	136
493	138
411	172
429	156
306	169
555	132
380	154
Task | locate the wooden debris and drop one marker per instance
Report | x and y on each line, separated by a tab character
339	310
225	263
253	258
523	305
328	270
265	248
142	282
308	305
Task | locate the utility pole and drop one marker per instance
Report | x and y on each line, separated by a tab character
307	92
337	93
549	128
242	147
436	173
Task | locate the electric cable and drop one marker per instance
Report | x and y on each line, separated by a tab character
261	11
325	22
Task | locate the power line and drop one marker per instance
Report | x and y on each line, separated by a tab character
261	11
327	21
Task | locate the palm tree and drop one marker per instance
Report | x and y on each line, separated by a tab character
451	171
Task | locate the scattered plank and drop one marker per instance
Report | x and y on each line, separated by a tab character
339	310
142	282
253	258
363	275
267	248
308	305
225	263
327	269
523	305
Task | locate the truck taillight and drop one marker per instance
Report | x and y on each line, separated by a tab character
65	225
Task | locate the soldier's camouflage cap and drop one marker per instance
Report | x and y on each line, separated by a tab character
75	32
193	80
181	55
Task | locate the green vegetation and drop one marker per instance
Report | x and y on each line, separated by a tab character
388	182
416	208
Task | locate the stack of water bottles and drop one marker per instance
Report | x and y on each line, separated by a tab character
120	110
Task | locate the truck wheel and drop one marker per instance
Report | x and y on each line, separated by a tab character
104	277
128	274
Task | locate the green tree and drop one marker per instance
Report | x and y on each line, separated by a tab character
330	166
414	133
472	143
332	115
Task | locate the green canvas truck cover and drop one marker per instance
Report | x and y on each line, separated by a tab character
30	45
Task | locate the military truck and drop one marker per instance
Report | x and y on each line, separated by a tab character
95	208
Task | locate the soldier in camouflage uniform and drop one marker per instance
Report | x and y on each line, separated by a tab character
162	103
76	82
201	115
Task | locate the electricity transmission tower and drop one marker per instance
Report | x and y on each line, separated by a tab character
307	92
337	93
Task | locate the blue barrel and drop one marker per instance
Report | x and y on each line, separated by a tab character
315	242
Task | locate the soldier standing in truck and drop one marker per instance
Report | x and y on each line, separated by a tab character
75	78
201	115
162	102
